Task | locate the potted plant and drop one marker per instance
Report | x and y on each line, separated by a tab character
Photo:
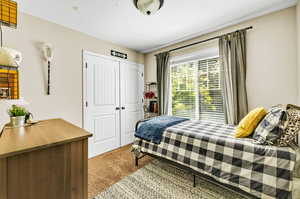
17	115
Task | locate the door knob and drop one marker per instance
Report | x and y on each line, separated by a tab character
117	108
123	108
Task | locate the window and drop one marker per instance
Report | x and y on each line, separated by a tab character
196	90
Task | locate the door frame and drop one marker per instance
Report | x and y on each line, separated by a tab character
84	78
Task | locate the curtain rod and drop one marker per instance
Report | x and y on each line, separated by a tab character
206	40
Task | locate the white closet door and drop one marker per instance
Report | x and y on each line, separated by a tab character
103	97
132	87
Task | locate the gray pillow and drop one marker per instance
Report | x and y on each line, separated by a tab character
272	126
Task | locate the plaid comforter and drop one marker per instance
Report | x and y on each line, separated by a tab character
210	148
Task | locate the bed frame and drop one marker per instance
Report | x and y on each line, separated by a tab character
196	174
190	170
168	161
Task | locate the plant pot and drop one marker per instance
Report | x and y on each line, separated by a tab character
18	121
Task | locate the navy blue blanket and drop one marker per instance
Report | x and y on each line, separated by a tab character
152	130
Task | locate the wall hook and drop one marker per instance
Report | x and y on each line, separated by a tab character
48	54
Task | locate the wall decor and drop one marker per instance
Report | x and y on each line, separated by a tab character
10	59
8	17
8	13
48	54
9	82
118	54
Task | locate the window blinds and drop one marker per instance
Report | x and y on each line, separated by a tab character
196	90
184	90
211	98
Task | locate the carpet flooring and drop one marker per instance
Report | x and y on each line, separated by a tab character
160	180
109	168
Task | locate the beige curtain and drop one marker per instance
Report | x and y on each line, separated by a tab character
232	49
162	61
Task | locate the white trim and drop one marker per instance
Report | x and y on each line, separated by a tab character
198	55
109	57
193	60
84	81
84	77
278	7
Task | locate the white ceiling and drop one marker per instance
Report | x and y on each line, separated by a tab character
119	22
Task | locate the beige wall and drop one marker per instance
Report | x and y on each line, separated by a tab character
65	100
272	58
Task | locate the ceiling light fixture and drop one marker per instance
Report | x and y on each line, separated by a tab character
148	7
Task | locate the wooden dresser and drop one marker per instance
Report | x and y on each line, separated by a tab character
45	161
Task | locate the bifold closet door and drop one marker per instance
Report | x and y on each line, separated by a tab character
132	88
102	114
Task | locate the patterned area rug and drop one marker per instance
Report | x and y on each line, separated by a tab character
159	180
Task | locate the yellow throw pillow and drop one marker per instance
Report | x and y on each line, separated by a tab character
250	122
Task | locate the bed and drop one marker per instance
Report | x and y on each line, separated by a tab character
211	149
